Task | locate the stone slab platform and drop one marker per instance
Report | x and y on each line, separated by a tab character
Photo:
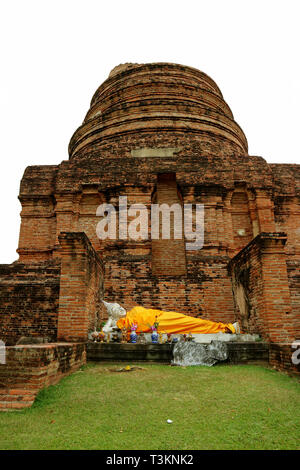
239	352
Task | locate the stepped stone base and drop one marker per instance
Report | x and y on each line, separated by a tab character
239	352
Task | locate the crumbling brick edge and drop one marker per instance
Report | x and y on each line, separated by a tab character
30	368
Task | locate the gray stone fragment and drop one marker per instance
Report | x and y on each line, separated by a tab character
195	354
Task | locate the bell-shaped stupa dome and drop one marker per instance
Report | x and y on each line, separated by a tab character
159	99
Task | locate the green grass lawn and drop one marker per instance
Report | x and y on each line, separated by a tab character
220	407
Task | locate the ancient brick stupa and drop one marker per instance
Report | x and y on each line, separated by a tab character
156	133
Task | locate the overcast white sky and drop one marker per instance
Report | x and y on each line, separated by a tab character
54	54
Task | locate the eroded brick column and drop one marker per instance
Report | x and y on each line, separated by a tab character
81	287
168	255
65	213
276	292
261	289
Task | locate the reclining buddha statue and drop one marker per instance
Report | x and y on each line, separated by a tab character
169	322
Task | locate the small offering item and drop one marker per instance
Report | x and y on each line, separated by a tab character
141	338
124	335
115	337
101	336
133	335
169	337
95	335
154	328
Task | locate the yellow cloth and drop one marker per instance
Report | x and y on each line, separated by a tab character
170	322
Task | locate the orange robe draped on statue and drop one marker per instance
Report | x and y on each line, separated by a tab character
170	322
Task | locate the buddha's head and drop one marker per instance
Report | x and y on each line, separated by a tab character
114	310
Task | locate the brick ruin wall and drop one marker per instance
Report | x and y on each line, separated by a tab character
204	292
59	298
29	296
285	357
